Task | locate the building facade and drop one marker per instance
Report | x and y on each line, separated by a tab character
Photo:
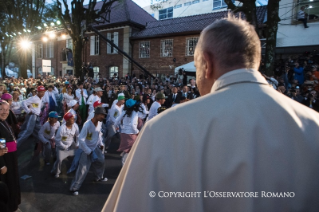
292	36
157	45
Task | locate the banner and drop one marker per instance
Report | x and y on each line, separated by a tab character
46	66
70	58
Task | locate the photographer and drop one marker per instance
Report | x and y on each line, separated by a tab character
311	100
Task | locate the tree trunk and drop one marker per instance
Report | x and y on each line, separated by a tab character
3	71
77	56
271	35
23	65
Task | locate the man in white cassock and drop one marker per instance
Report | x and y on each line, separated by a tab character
240	136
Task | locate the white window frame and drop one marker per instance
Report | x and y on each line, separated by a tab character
49	49
166	49
221	4
144	49
39	48
96	71
113	70
166	13
94	45
69	43
114	37
190	45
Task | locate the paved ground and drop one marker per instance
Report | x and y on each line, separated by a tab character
44	193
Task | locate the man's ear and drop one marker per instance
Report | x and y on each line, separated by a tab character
209	65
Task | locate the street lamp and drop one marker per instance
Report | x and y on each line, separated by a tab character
25	44
63	36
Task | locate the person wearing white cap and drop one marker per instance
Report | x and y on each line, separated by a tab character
66	141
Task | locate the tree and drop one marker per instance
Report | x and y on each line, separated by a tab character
249	9
22	16
74	23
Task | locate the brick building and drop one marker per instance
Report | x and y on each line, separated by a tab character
159	46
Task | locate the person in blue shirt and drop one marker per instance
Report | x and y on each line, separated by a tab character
299	74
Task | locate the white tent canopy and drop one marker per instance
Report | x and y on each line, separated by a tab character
187	67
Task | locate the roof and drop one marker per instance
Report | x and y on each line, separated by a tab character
188	24
125	11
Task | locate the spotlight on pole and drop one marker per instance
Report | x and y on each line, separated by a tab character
52	24
44	39
39	27
45	25
25	44
58	22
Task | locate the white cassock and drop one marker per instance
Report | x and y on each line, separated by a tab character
242	137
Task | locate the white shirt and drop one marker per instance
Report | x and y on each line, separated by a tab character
47	131
115	112
16	107
79	96
301	14
153	110
66	137
90	136
143	114
35	104
49	94
128	124
91	102
67	98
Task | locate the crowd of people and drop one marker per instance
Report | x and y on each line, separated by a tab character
69	117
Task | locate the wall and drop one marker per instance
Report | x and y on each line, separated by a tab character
194	9
104	60
162	65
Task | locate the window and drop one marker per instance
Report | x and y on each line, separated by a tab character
167	48
94	45
205	0
310	7
69	44
187	3
114	70
178	6
49	49
96	71
195	2
144	49
218	4
114	37
190	46
39	50
166	13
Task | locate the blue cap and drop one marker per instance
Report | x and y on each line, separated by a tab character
53	114
130	103
66	83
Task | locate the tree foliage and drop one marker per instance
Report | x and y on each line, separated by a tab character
19	18
75	20
248	7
